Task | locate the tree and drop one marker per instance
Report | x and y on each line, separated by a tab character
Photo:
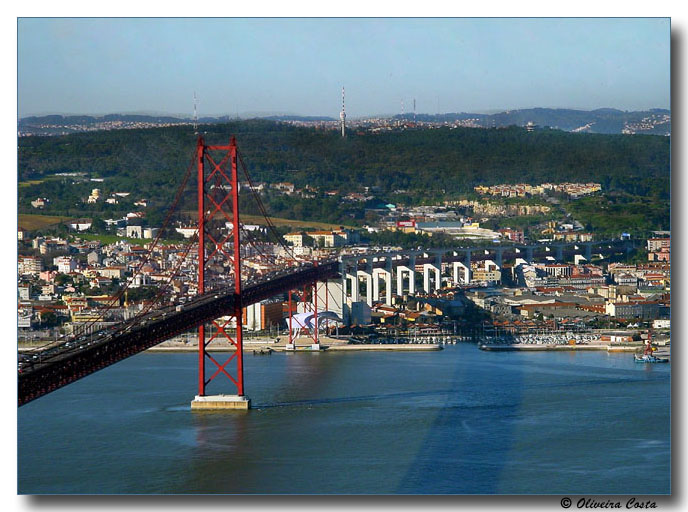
98	225
62	279
49	319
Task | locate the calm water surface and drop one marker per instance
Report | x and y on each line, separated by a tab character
455	421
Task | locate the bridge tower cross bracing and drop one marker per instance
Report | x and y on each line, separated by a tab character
316	337
218	204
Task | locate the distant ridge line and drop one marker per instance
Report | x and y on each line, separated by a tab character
656	121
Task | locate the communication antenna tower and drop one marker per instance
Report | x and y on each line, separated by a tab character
342	115
195	116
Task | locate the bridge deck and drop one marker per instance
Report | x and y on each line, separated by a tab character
67	362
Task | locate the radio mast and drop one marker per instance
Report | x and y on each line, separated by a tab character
342	115
195	116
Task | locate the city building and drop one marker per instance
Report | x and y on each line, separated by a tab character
31	265
515	235
656	244
262	315
296	238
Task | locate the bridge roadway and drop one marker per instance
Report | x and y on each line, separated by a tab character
65	362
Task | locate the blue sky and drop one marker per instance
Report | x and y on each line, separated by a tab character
96	66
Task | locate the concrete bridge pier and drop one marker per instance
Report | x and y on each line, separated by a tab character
387	276
400	280
499	256
411	270
436	268
388	280
461	273
369	285
354	291
429	268
588	251
344	272
467	266
401	273
529	254
559	255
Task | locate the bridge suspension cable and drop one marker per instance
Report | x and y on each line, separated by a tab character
162	290
103	309
263	210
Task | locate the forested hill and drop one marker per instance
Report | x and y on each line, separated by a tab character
604	120
424	162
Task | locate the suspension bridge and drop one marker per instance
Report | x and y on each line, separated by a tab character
224	286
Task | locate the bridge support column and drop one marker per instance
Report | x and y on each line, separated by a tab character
467	266
499	255
354	287
388	281
316	334
427	269
290	345
588	252
529	254
343	271
461	273
412	275
210	249
400	280
401	270
387	276
560	253
369	285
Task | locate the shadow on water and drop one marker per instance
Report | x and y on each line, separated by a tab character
459	421
461	435
537	428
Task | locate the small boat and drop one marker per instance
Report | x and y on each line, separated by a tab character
647	356
649	359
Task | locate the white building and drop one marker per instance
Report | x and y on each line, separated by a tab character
134	232
187	232
24	292
296	239
65	264
94	197
80	224
150	232
29	265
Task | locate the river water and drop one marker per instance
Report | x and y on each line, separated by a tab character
458	421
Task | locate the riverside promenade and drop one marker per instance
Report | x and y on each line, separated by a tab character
663	351
303	344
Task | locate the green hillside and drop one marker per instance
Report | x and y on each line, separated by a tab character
425	165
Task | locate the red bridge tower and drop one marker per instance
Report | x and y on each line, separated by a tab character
218	208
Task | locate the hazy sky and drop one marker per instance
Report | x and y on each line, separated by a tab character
96	66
